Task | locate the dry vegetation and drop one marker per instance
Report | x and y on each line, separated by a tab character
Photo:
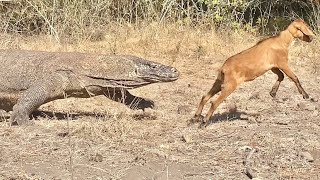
97	138
103	139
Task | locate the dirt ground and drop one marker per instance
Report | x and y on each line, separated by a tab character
96	138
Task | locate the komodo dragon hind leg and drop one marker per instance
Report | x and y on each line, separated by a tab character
40	92
124	96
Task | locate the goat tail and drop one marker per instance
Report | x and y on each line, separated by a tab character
220	75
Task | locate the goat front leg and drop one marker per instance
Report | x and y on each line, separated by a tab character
295	79
276	85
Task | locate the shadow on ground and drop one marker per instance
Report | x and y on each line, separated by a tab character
63	115
228	116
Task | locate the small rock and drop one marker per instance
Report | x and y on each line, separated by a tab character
255	95
311	107
245	148
232	108
97	158
301	105
285	99
313	100
307	156
306	106
187	138
4	113
140	160
315	113
63	134
282	122
244	116
184	110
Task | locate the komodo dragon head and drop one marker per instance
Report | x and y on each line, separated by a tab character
125	71
154	72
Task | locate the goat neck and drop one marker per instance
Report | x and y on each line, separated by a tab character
285	38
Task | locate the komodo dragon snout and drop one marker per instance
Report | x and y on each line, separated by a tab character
32	78
155	72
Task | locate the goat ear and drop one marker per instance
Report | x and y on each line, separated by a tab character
304	29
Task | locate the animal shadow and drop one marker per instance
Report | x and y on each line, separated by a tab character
125	97
228	116
62	115
133	103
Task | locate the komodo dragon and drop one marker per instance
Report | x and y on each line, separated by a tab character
31	78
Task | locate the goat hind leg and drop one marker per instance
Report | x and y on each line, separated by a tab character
276	85
214	90
225	92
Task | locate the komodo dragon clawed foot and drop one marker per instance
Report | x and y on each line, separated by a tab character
140	103
20	117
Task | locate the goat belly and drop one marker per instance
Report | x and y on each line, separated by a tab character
253	74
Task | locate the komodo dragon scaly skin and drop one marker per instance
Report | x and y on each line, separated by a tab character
31	78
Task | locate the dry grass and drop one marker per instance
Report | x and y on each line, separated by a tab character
120	143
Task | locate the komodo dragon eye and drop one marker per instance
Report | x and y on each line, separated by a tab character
153	66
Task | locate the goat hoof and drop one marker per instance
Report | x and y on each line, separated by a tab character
313	100
190	122
305	96
196	118
202	125
272	94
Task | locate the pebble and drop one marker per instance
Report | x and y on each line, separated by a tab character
245	148
306	155
187	138
4	113
97	158
315	113
184	110
306	106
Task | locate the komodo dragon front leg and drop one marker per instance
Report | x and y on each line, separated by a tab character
40	92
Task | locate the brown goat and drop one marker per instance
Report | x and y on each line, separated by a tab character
268	54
